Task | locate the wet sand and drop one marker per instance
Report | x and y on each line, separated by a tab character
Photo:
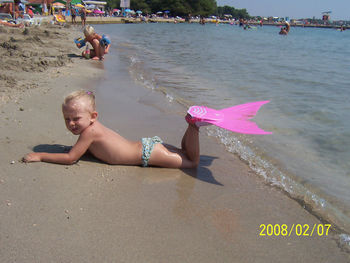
93	212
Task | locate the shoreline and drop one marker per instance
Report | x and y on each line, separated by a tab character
134	213
275	172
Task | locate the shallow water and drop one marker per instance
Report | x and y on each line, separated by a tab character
304	75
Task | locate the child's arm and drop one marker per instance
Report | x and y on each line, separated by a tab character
97	36
81	146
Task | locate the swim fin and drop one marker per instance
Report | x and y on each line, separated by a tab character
235	118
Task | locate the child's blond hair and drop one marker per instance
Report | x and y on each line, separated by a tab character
89	30
81	94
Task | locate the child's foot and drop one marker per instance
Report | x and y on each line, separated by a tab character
195	121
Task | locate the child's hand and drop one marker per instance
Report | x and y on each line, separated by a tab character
32	157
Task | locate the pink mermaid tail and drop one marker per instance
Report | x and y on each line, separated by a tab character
235	118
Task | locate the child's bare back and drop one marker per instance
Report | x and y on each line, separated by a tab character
110	147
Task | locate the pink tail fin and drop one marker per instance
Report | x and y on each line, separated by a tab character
244	111
237	118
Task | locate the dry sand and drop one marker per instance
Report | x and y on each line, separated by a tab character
29	56
93	212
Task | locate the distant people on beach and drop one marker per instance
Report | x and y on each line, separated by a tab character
83	16
100	44
73	15
29	11
17	13
80	115
244	23
12	8
246	26
202	20
5	23
59	18
285	30
188	18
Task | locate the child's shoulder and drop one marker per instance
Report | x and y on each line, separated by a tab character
97	36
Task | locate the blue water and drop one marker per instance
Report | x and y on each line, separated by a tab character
305	75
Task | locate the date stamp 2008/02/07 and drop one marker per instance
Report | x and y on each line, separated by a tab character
300	230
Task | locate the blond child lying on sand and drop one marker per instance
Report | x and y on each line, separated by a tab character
80	115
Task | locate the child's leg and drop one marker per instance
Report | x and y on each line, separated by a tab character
107	49
102	52
96	45
183	141
190	143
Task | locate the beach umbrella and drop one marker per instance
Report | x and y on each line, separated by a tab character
139	12
58	5
127	10
116	10
79	6
160	12
167	12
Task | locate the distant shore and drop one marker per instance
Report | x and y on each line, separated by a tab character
130	20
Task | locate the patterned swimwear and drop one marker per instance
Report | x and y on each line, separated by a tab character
147	148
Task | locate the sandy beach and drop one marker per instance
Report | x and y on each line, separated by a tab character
93	212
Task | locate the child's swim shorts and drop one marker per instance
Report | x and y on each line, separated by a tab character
147	148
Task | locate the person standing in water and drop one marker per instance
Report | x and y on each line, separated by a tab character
285	30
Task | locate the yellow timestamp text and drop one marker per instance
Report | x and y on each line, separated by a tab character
299	230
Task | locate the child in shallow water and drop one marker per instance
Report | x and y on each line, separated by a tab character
100	44
79	112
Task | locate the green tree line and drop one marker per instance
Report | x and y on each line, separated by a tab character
182	7
235	13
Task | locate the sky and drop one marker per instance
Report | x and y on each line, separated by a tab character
292	8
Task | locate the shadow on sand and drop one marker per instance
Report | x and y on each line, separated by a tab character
74	56
201	173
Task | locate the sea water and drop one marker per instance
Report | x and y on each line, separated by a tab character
305	75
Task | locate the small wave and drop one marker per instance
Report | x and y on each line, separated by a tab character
344	242
134	60
274	176
219	84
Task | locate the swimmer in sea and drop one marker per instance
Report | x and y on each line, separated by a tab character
285	30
